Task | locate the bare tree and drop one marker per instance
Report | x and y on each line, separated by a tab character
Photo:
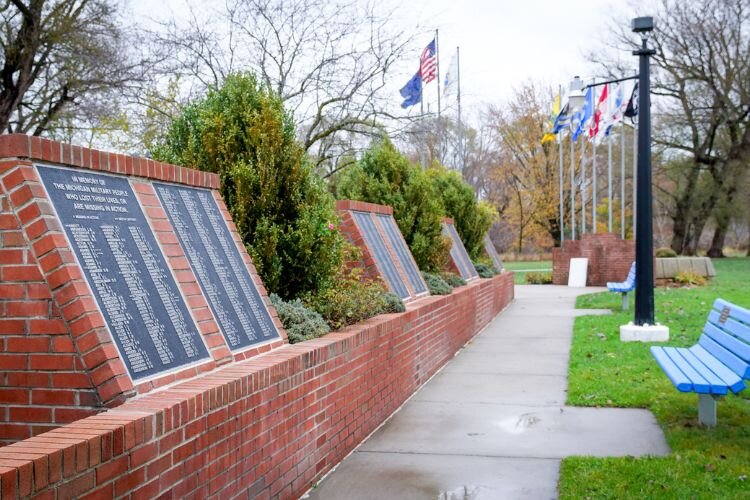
702	106
65	61
328	61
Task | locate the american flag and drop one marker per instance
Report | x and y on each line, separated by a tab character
428	62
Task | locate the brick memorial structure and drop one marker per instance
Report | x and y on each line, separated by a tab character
385	255
139	354
610	258
459	262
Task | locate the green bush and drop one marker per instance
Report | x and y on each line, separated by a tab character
472	218
436	284
387	177
538	278
665	252
283	211
299	322
453	280
485	271
393	303
352	298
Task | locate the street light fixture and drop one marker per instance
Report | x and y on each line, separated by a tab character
576	96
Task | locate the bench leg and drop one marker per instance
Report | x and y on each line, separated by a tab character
707	409
625	302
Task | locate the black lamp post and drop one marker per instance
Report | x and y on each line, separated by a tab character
644	241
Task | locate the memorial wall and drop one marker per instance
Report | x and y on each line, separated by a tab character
141	358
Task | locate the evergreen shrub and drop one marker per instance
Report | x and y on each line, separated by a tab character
436	284
283	211
300	322
386	177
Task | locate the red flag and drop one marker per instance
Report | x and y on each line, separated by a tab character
601	109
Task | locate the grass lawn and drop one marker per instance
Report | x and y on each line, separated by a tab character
519	269
603	371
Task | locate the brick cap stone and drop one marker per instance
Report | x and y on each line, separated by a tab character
46	150
363	206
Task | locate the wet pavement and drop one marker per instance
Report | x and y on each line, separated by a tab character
492	423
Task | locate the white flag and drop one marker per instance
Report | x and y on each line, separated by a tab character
450	83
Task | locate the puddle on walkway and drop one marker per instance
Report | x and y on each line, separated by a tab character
519	424
461	493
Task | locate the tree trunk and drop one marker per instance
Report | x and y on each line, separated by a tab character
681	217
717	243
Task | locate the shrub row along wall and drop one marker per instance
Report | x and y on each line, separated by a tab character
609	258
271	425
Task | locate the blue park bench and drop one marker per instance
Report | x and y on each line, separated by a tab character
626	286
716	364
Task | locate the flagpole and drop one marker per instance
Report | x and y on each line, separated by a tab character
609	164
421	127
583	187
437	65
458	99
593	176
572	190
560	147
622	179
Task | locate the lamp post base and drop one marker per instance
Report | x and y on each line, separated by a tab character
644	333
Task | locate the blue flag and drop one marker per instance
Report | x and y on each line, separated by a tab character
561	120
583	117
412	91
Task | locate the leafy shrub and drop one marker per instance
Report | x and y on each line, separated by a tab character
453	279
665	252
387	177
689	278
299	322
472	218
393	303
485	271
436	284
282	210
538	278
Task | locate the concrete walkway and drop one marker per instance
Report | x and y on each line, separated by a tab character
492	424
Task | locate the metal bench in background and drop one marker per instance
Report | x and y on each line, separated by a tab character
626	286
717	364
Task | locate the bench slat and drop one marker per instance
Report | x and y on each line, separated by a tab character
679	379
731	325
734	363
736	347
700	384
718	386
740	313
731	379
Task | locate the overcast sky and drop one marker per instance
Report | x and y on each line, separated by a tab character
503	42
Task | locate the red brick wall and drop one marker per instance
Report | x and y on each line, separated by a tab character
609	257
269	426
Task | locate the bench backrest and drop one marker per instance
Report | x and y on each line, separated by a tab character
727	336
631	275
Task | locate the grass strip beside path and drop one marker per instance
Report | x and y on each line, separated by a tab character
704	463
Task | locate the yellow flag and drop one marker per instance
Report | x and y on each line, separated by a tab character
549	136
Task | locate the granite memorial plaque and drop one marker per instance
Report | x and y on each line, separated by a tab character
459	254
392	232
126	270
218	265
381	255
